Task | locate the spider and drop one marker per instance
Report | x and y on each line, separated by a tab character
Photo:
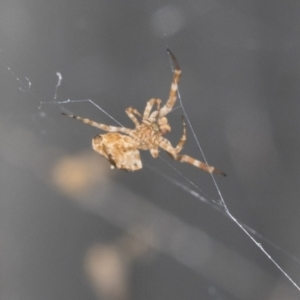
120	146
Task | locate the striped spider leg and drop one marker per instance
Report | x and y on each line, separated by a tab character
174	153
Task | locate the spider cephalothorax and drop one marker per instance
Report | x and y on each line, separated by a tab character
120	146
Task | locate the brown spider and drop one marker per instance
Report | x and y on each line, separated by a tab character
120	146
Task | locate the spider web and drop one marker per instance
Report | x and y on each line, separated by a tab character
196	192
191	188
221	204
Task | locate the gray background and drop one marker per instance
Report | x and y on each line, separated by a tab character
70	228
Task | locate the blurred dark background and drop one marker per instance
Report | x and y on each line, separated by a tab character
71	228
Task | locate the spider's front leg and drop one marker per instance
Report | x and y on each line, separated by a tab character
104	127
174	87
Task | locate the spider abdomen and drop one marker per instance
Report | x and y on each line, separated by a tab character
120	150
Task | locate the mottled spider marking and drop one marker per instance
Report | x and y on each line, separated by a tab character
120	150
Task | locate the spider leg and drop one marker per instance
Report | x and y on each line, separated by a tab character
101	126
149	107
199	164
165	144
182	139
131	112
155	114
174	87
173	152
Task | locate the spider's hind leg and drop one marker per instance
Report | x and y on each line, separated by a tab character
199	164
173	152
